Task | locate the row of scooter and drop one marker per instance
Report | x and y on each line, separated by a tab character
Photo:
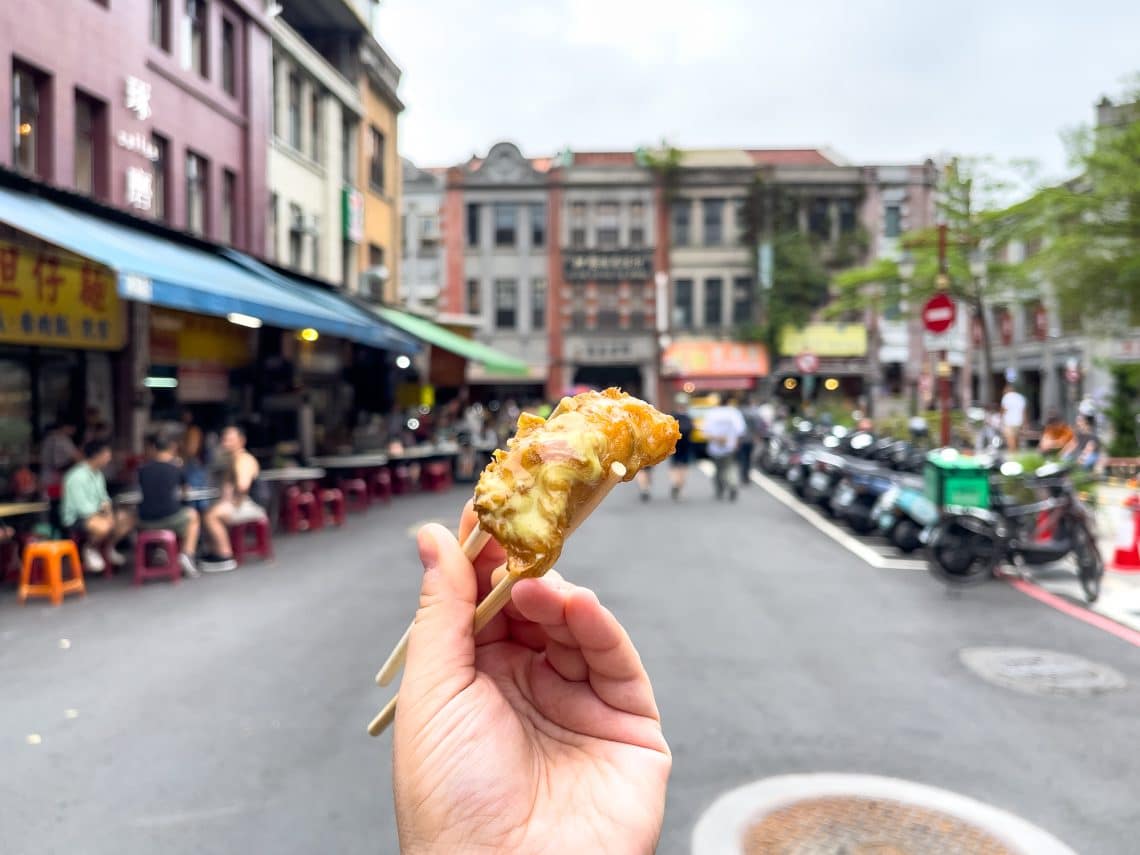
874	484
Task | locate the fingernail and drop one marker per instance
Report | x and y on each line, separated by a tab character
429	549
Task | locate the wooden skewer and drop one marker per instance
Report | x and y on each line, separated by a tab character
500	595
472	546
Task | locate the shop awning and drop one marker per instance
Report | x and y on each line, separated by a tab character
434	334
151	269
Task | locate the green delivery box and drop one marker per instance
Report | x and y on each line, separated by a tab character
953	479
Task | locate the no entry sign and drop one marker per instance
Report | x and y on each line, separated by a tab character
938	314
807	363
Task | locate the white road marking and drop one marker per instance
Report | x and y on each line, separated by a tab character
852	544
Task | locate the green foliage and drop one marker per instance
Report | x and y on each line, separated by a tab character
665	162
1122	410
799	286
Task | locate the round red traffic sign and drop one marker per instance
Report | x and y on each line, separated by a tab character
807	363
938	314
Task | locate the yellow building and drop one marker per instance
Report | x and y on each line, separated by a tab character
379	174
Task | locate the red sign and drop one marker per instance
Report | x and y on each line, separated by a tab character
938	314
807	363
1005	326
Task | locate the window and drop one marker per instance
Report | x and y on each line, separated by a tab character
714	302
742	300
160	24
30	131
892	221
578	319
538	225
713	212
637	224
161	180
683	304
609	232
229	207
375	256
505	216
348	150
294	110
846	215
196	193
347	259
682	210
819	219
578	225
90	151
275	101
194	37
506	303
474	297
609	301
315	125
473	210
740	218
538	305
296	235
376	153
271	232
229	57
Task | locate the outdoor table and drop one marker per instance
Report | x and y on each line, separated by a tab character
283	477
22	509
133	498
369	460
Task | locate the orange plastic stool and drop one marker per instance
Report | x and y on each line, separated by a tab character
51	584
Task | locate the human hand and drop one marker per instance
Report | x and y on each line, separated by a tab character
541	734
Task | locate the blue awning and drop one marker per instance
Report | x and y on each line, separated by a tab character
151	269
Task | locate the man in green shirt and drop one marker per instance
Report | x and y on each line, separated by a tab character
86	509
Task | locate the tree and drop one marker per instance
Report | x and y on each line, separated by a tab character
970	194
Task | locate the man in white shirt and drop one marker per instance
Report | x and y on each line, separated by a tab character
1012	416
723	427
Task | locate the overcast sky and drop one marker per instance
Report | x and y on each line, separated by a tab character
877	81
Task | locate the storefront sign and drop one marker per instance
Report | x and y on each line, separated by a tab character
57	299
352	215
615	266
140	188
139	143
706	358
825	340
592	350
137	97
182	338
203	384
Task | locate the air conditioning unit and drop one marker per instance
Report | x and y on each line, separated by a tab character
372	282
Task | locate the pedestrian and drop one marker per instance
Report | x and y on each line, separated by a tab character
1084	448
239	470
724	427
1056	436
161	483
683	455
1012	416
58	453
541	733
86	510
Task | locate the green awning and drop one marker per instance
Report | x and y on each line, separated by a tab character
434	334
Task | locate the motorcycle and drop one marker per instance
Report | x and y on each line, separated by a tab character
858	495
826	472
903	513
968	545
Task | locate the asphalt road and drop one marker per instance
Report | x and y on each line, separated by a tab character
226	714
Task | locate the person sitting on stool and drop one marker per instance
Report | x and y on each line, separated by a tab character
161	483
86	510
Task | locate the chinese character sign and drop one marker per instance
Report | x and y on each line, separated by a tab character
56	299
138	97
140	188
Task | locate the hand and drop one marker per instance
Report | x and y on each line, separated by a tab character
539	735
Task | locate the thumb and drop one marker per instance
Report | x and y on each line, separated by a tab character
441	646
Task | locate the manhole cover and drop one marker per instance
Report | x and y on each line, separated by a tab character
860	826
1041	672
843	814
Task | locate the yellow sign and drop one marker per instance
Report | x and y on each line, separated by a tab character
182	338
824	340
53	298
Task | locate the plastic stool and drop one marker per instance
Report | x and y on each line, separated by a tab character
333	499
262	543
169	569
381	483
49	556
401	479
437	476
297	510
355	494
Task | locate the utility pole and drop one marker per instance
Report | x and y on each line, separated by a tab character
944	372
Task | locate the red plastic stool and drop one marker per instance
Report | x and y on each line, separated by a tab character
333	499
437	476
381	483
149	540
402	479
355	494
48	558
262	539
299	509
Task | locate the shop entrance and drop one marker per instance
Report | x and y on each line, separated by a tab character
625	377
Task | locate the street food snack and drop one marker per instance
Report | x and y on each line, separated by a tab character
529	495
552	475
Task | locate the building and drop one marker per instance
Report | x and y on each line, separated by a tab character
421	253
315	206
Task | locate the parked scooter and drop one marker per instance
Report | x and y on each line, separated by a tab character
903	513
969	545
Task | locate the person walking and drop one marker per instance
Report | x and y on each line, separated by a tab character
161	483
1012	416
724	427
86	510
683	455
